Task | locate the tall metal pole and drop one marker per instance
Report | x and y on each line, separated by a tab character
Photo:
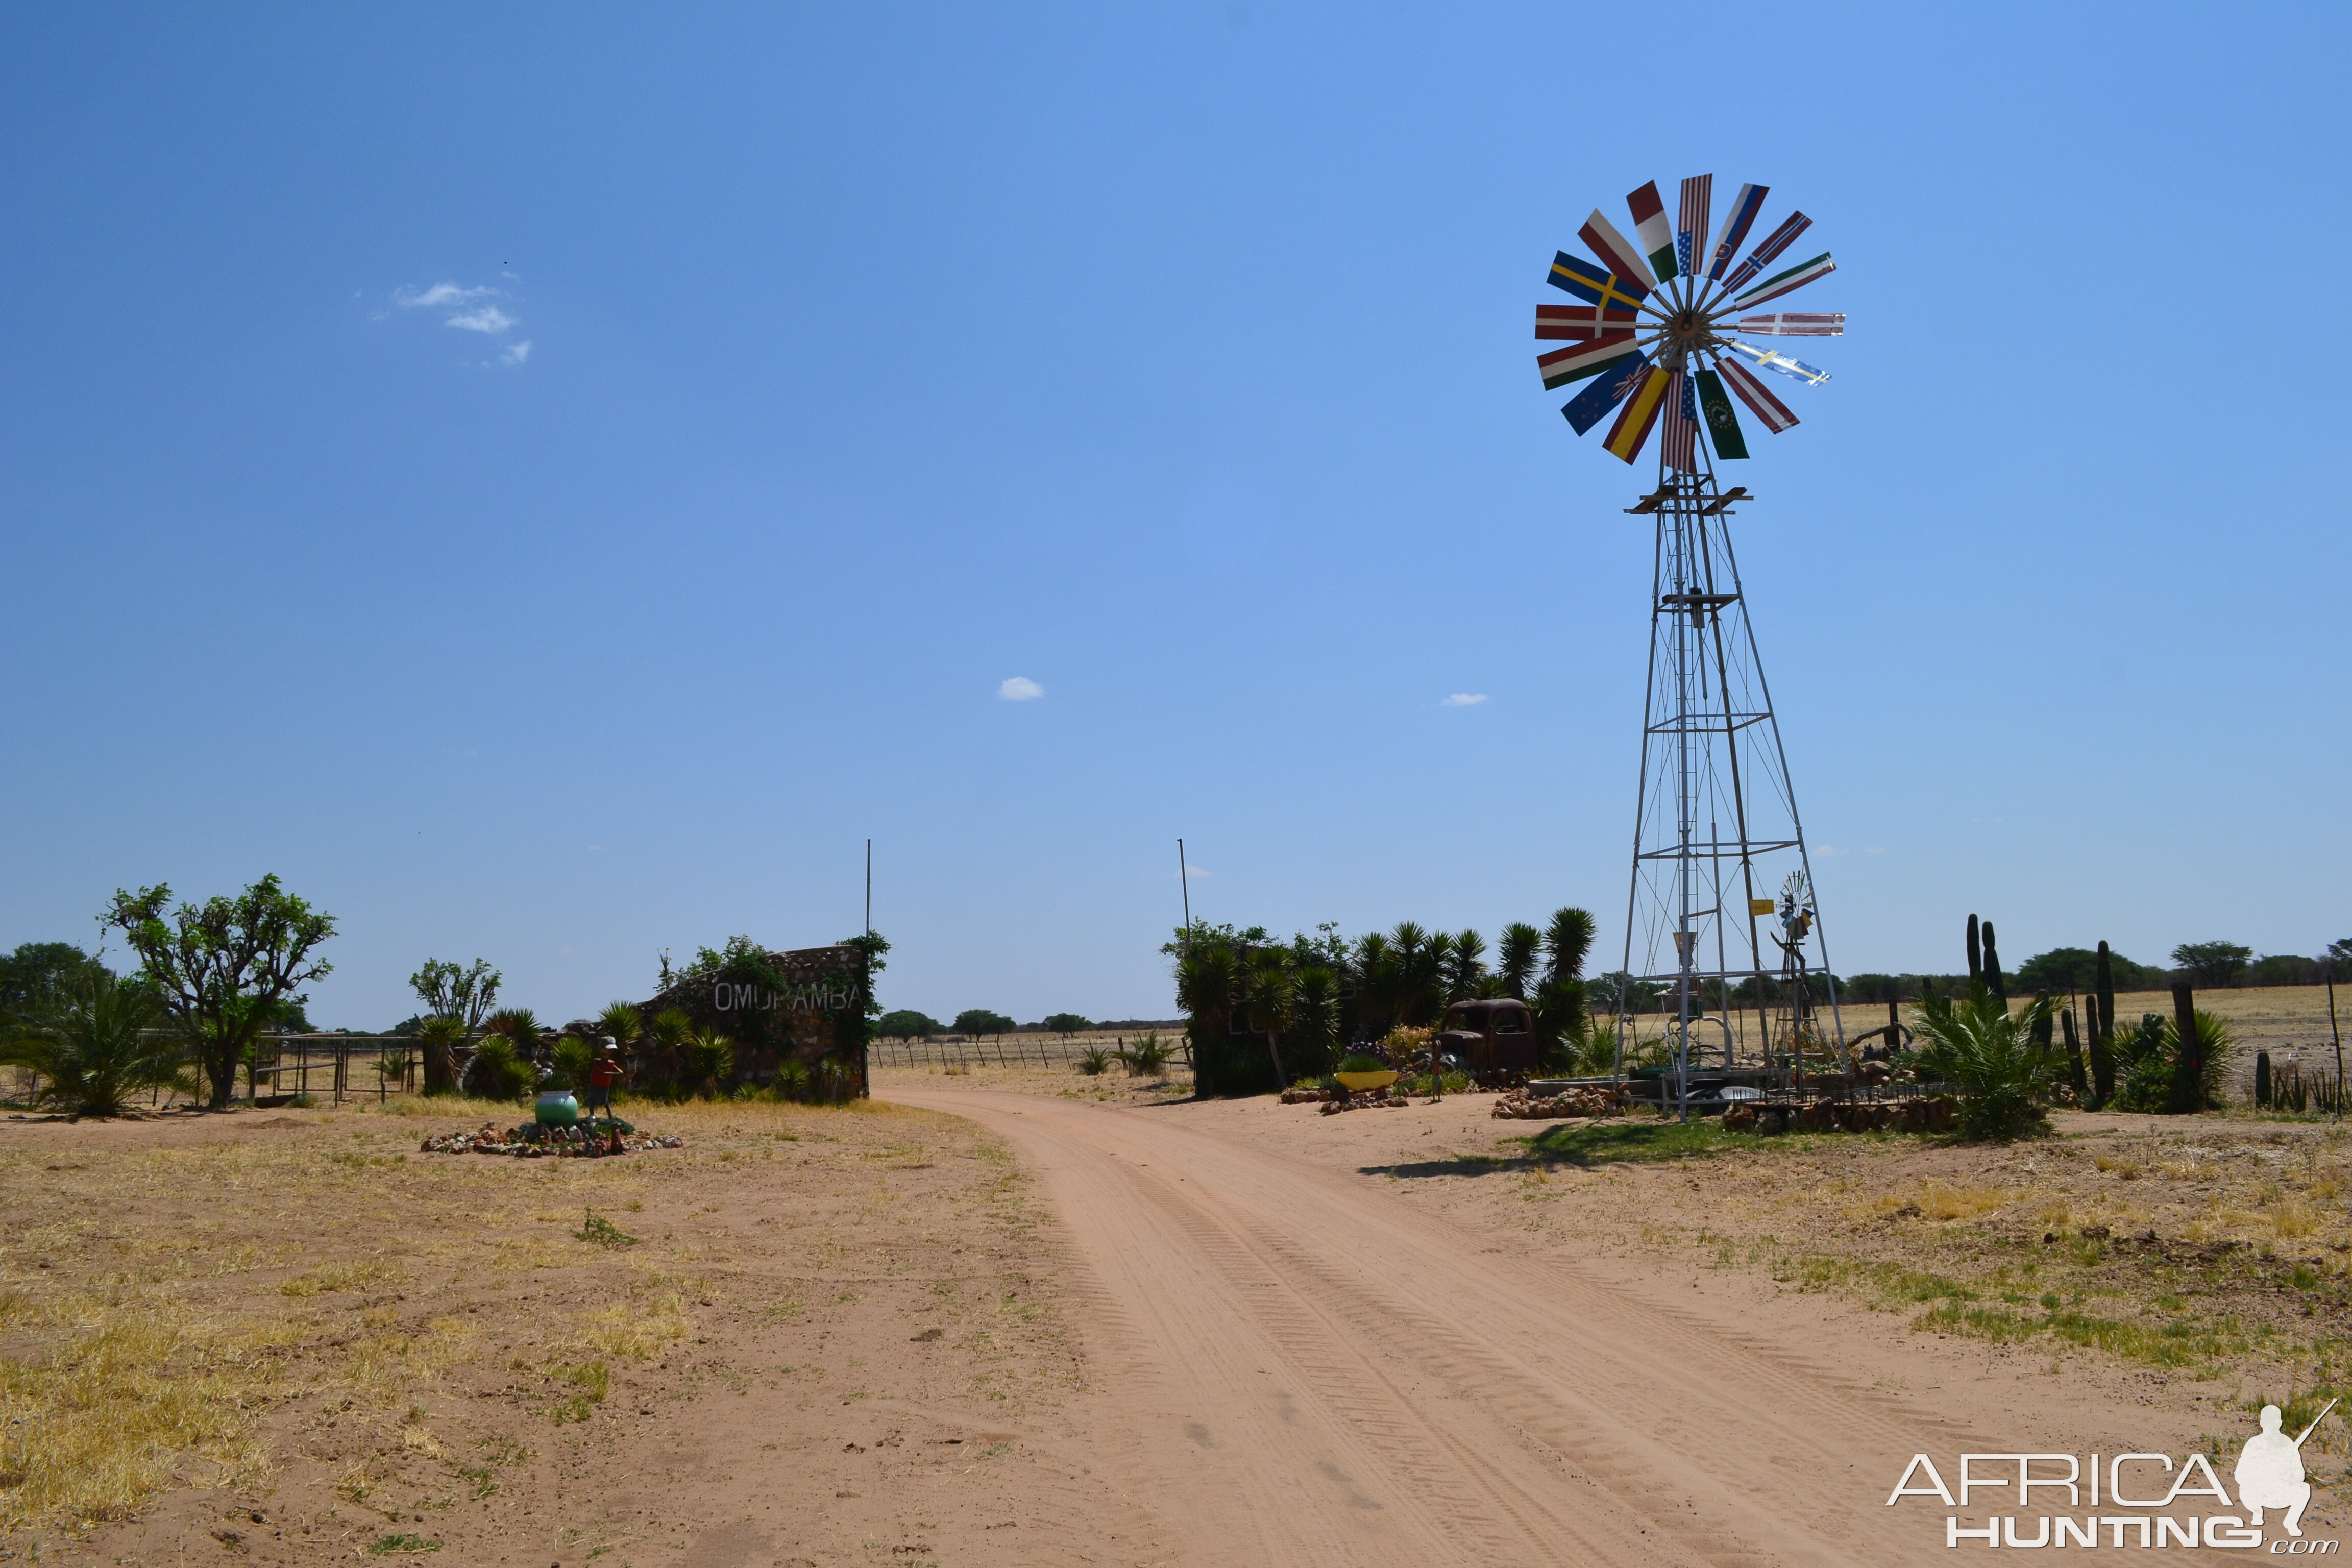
1183	881
870	886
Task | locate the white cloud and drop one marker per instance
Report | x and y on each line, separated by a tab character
1020	689
1464	699
516	353
488	318
435	298
1198	871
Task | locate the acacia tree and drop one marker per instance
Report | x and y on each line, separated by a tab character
222	968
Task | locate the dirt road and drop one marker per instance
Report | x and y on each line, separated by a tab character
1244	1304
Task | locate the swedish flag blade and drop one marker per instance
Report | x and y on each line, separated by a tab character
1596	285
1722	423
1592	406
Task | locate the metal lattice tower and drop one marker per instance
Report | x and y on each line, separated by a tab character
1722	884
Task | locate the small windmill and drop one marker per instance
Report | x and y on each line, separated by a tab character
1668	336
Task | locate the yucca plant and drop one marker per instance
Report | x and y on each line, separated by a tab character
93	1039
1998	1061
2148	1084
1093	1061
623	1021
709	1061
497	1070
573	1057
670	1031
439	1036
1147	1056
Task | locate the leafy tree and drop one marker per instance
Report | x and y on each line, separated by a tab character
2212	962
2340	953
2072	969
92	1038
28	974
466	995
905	1023
1066	1024
977	1021
221	968
1519	950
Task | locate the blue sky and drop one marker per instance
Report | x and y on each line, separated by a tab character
1174	359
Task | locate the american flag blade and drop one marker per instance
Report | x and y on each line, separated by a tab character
1575	323
1650	225
1690	227
1639	412
1608	389
1563	366
1679	442
1773	359
1786	282
1778	240
1596	285
1736	225
1617	253
1757	395
1785	325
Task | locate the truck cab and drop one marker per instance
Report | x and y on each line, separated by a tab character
1496	1038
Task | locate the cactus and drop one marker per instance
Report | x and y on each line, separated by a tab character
2263	1079
1975	962
2102	1019
1992	980
2075	1057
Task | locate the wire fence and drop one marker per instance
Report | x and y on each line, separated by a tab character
1035	1050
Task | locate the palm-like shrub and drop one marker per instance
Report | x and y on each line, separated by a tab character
2147	1081
1272	993
497	1070
440	1035
1515	956
1147	1055
573	1057
1992	1058
623	1021
1093	1061
94	1038
670	1031
709	1061
1314	1031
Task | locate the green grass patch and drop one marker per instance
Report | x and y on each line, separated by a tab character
389	1545
603	1231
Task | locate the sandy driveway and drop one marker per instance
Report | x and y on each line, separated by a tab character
1245	1303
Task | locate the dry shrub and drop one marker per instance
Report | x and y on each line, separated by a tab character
1939	1201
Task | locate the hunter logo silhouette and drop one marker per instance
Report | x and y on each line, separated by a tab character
2270	1471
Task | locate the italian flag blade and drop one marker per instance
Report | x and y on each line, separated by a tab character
1563	366
1786	282
1657	235
1639	412
1757	395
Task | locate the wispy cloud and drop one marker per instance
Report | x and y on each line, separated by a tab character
437	297
1464	699
516	353
1198	871
1020	689
488	319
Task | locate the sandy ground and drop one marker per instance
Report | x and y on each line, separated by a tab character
1024	1317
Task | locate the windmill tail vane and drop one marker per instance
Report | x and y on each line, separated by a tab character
1662	329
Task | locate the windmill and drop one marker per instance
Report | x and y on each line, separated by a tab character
1666	335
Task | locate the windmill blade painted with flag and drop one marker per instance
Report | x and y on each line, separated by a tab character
1608	389
1650	225
1617	253
1786	325
1570	322
1736	225
1773	359
1787	283
1563	366
1690	226
1665	335
1757	395
1778	240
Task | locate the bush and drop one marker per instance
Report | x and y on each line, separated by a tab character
709	1061
1991	1057
1361	1061
573	1060
496	1072
93	1039
1147	1057
1095	1061
2147	1082
905	1023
